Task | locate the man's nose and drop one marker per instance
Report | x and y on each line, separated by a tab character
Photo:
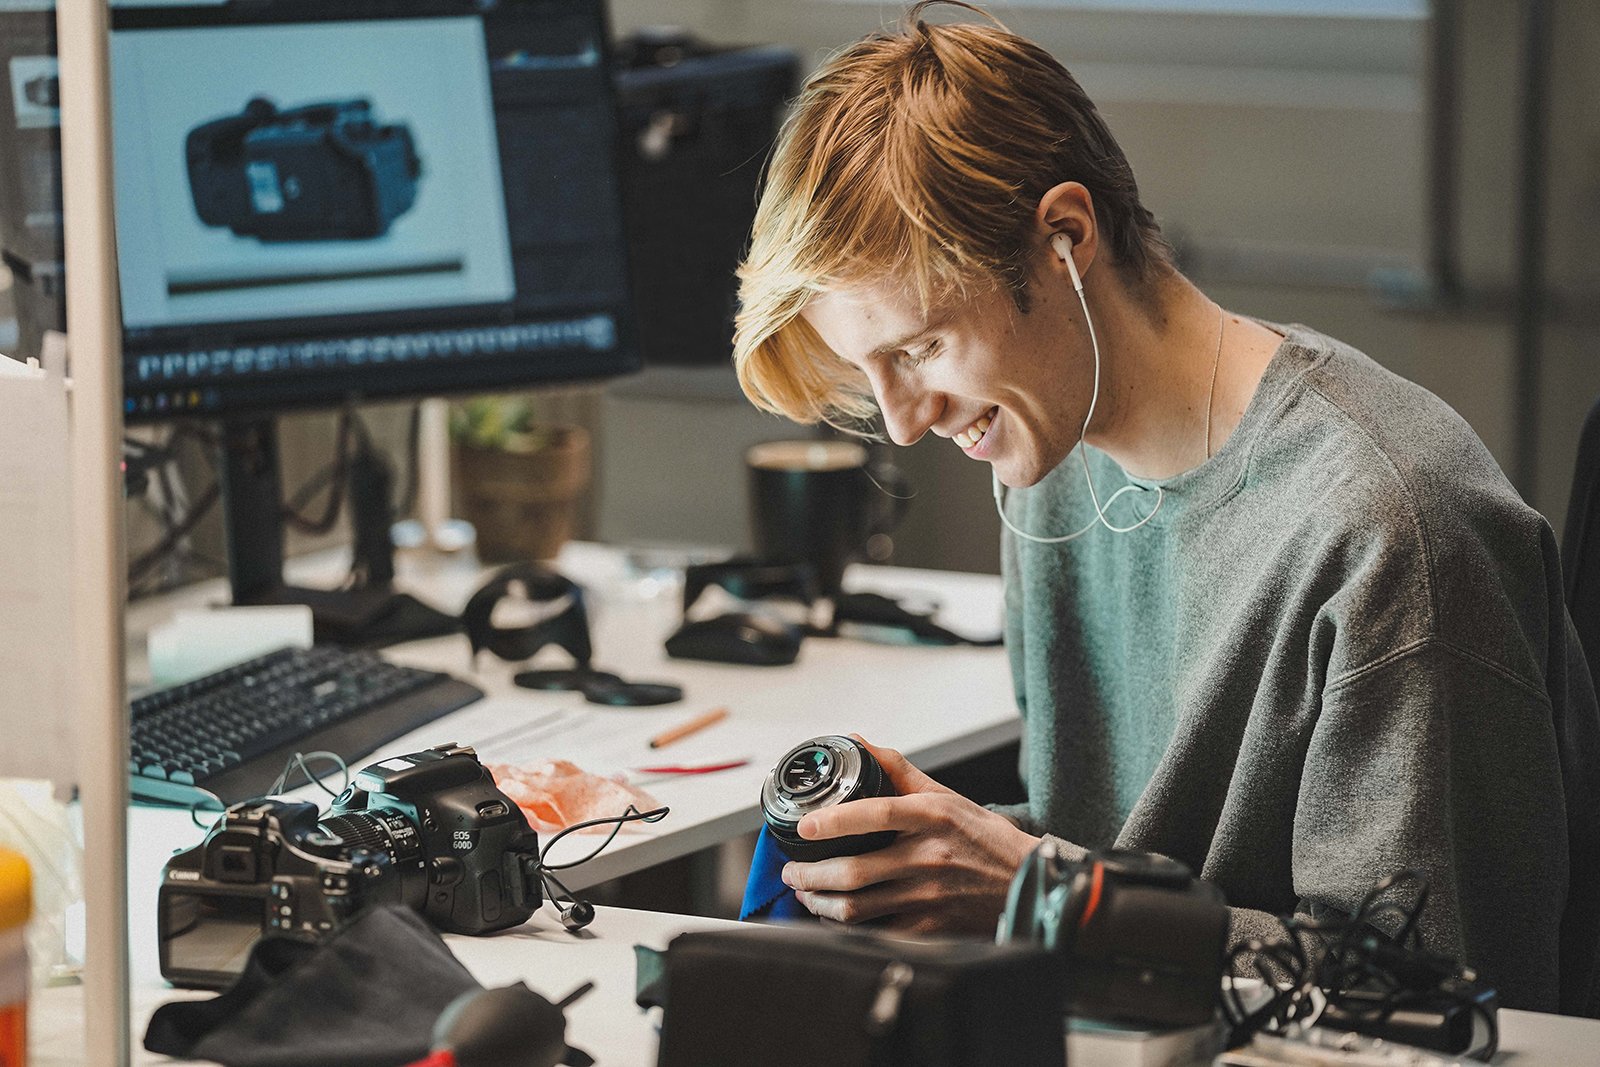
908	413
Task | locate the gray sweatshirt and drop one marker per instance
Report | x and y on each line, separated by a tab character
1339	648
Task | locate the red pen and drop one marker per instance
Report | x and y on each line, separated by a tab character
703	768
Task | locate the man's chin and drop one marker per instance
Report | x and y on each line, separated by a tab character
1013	478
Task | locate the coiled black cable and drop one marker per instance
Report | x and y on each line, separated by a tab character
1346	961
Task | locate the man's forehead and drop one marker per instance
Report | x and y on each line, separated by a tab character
858	322
886	306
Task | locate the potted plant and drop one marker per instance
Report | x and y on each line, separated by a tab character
518	480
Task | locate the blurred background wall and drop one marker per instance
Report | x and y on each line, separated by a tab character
1288	156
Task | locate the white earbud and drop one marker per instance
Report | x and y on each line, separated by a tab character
1063	247
1062	244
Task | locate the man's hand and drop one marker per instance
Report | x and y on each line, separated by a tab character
946	872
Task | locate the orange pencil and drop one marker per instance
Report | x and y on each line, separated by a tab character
699	722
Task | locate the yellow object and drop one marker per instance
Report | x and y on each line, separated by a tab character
16	906
16	890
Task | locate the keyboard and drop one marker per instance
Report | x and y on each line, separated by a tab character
229	735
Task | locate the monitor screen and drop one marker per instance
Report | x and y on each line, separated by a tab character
30	180
345	200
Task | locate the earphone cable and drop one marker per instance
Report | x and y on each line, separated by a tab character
632	814
1083	455
549	879
299	761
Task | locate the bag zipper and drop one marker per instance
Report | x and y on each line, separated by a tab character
885	1011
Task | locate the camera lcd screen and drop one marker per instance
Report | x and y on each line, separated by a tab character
205	932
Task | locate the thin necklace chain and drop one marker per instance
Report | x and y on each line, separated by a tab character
1211	394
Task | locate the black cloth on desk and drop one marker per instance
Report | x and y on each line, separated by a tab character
367	997
875	609
376	617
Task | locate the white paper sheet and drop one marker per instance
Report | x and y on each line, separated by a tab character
197	642
506	729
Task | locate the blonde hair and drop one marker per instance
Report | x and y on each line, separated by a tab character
920	154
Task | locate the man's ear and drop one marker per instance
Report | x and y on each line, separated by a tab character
1069	208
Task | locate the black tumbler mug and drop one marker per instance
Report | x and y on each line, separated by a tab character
819	502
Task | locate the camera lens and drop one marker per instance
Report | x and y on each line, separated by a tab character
817	774
386	833
807	771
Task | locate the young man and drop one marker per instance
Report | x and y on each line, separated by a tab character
1272	610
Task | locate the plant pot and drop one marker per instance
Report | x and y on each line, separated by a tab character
523	504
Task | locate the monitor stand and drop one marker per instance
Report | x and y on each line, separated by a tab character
369	615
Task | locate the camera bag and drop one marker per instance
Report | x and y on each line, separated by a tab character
783	996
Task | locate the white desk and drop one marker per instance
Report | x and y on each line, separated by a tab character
937	705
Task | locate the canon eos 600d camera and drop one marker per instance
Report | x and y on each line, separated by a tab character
429	830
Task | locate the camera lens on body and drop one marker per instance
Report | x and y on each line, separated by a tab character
380	830
814	775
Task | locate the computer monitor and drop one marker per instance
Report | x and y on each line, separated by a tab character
333	200
350	199
30	178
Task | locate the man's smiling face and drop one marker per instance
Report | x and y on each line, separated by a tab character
1009	388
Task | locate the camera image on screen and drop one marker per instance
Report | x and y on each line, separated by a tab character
327	171
35	95
429	830
43	91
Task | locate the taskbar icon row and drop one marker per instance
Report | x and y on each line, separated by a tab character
592	332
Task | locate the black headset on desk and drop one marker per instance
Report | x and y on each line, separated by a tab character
567	629
756	579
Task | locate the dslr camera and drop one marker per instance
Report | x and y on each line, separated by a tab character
321	172
1141	939
429	830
